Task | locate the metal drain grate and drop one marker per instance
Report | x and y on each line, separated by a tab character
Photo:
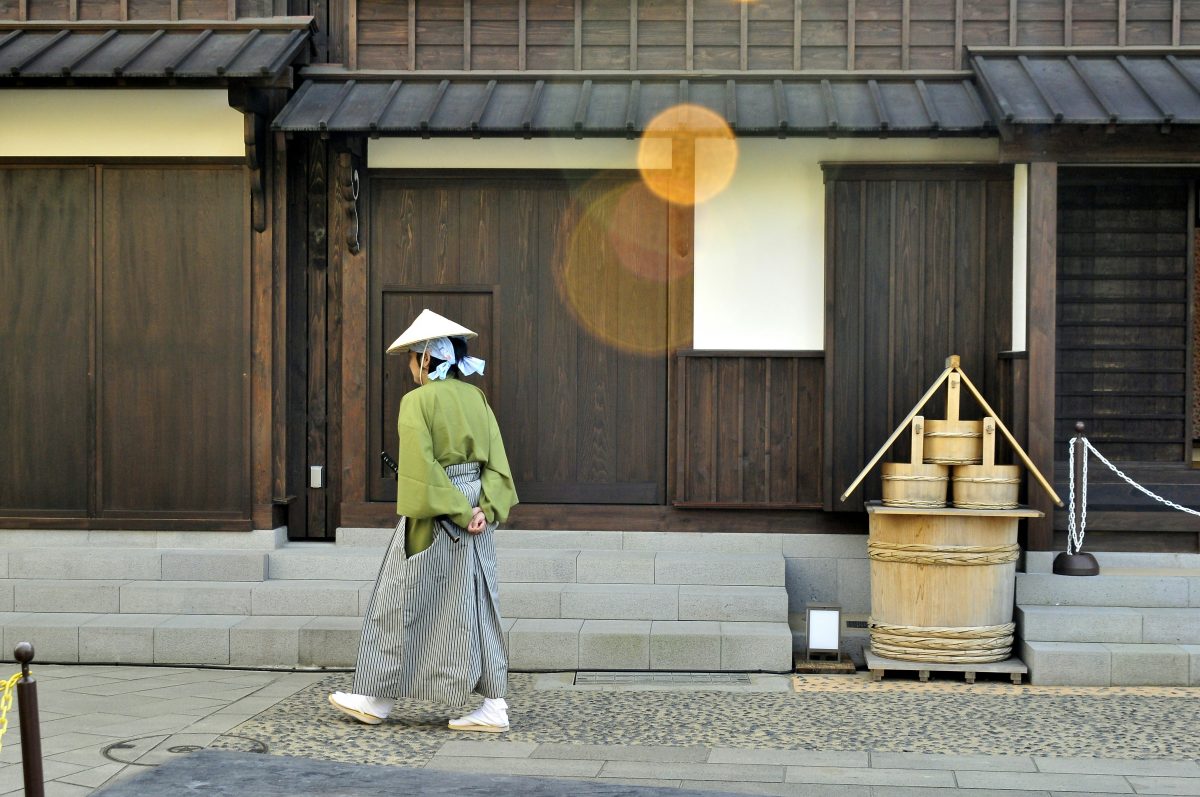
688	678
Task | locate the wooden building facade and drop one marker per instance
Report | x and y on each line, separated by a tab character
217	214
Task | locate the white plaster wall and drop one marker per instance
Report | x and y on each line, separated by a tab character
1020	280
146	123
513	153
760	245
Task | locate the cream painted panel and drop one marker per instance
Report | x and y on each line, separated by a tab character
513	153
1020	279
760	245
137	123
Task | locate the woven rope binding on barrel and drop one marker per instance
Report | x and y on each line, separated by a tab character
961	645
986	480
917	554
887	477
976	505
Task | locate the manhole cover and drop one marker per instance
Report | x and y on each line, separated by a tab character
677	678
150	751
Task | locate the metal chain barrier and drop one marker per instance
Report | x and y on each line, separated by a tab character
1075	531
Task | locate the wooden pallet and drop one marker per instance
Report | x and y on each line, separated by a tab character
1014	668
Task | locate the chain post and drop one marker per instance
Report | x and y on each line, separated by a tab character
31	732
1074	562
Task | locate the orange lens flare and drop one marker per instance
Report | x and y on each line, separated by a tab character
613	266
692	181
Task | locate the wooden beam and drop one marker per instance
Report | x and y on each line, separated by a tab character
74	9
905	32
578	35
690	35
352	33
522	33
412	34
1041	307
633	34
466	35
124	10
1068	21
1012	23
1121	22
231	10
1175	22
958	33
744	35
851	14
797	28
680	260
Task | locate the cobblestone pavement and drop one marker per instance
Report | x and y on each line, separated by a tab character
817	735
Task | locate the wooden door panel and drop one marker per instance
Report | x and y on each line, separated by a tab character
45	327
917	268
578	312
173	352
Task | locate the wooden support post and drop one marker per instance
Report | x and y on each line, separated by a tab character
953	395
989	442
1041	305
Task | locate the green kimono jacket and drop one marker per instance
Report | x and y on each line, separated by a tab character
442	423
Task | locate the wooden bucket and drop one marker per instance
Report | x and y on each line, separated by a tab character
941	588
954	442
986	486
915	485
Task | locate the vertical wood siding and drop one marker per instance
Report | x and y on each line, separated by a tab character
750	429
775	35
918	267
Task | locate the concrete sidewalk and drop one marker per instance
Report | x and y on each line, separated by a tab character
831	735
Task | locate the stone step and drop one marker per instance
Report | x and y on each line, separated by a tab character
1043	561
121	563
258	540
1111	664
551	565
1112	624
1111	588
332	641
321	561
547	601
308	597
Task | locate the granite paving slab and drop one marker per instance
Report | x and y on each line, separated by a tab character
219	773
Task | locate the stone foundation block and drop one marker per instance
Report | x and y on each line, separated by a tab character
685	646
537	566
1170	626
620	601
214	565
544	645
748	570
531	601
194	639
616	567
1149	665
259	641
733	604
55	637
66	596
1047	589
119	638
614	645
185	597
1067	663
320	562
1078	624
330	641
310	598
756	646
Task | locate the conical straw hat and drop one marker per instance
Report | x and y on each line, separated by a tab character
429	325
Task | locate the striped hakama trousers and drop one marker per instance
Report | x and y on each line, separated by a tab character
432	628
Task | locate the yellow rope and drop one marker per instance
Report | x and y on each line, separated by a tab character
894	478
6	700
986	480
950	645
914	553
976	505
914	502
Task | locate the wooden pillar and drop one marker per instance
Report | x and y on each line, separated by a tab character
1043	267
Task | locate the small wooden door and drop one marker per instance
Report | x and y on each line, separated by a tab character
565	280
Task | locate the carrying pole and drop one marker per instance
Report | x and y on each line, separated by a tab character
951	365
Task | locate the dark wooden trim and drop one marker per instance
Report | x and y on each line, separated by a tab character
1040	312
797	353
681	254
1132	144
827	489
894	171
1190	358
607	517
196	524
158	163
356	454
280	218
95	234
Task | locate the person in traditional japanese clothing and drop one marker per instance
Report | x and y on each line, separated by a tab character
432	628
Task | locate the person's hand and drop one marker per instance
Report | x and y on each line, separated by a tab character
478	522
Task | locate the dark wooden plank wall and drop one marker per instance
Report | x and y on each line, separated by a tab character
552	271
45	326
918	267
1123	314
750	429
136	10
548	35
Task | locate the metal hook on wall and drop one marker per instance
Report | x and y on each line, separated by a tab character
352	212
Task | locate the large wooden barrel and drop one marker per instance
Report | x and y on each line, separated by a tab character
942	583
954	442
